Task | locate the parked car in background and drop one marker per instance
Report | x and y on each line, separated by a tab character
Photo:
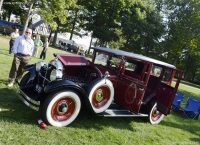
114	83
73	48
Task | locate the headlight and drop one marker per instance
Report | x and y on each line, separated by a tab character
56	74
39	65
57	64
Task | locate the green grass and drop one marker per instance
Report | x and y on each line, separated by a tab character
18	123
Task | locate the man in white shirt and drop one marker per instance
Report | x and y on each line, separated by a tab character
13	35
23	50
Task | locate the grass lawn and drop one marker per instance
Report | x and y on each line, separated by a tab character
18	123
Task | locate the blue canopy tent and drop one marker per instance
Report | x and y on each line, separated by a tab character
3	23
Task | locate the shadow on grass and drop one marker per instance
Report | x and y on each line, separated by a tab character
185	124
14	110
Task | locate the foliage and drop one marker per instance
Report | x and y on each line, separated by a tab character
182	41
102	19
11	7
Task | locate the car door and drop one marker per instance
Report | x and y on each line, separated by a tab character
130	88
166	94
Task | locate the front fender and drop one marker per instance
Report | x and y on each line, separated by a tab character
63	84
32	71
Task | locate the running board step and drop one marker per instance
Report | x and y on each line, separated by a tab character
121	113
118	111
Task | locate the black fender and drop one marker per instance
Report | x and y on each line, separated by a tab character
32	72
58	85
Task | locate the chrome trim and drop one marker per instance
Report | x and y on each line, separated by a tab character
27	100
39	65
57	63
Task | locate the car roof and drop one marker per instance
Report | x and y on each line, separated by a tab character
132	55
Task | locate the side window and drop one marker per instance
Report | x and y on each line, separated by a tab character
156	71
167	75
115	62
133	69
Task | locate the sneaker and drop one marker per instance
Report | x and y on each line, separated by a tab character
10	84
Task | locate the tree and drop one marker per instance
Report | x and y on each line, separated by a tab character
102	18
183	36
55	13
142	27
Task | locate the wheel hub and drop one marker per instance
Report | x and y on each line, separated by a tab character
99	96
62	108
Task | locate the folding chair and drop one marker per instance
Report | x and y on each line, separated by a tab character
192	109
177	101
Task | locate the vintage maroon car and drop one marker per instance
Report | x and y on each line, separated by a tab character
112	83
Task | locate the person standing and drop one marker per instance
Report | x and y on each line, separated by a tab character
13	35
37	44
45	47
22	49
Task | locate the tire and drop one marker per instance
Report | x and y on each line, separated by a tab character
155	116
61	109
101	95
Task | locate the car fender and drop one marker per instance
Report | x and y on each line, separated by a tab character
64	85
31	69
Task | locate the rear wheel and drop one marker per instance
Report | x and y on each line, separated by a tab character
155	116
61	109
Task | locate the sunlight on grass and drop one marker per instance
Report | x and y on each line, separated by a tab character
18	123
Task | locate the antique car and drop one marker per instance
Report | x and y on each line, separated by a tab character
113	83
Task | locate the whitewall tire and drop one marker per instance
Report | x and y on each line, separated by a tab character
61	109
155	116
101	95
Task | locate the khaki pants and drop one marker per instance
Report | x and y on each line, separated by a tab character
18	64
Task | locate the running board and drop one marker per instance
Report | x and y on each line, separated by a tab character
120	112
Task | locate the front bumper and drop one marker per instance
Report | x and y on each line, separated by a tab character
35	105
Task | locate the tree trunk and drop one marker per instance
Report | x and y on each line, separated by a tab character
55	36
73	25
49	39
188	67
1	2
27	18
9	16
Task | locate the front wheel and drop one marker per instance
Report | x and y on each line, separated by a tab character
155	116
61	109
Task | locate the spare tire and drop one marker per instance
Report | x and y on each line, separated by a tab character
101	95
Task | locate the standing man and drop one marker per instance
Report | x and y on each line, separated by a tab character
45	47
13	35
23	49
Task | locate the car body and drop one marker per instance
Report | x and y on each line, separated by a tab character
113	83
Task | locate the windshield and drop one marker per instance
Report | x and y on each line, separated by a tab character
106	60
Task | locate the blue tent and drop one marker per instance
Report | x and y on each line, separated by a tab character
3	22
